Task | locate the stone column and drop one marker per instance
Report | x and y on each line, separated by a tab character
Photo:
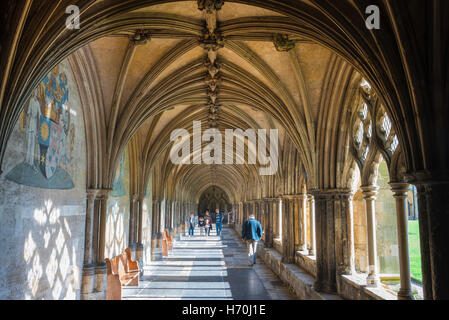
433	191
296	207
101	268
370	193
262	216
275	218
88	276
333	250
132	222
312	224
156	253
268	228
183	217
139	245
303	202
400	194
288	240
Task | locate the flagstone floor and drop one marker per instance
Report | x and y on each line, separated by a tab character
208	268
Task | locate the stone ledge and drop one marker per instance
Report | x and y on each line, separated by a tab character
277	245
298	280
354	287
306	262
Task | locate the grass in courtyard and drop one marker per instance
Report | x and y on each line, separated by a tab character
414	248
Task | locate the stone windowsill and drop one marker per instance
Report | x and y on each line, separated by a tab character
379	293
277	245
304	255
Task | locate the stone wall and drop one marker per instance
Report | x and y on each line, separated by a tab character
117	216
146	226
360	236
386	228
42	195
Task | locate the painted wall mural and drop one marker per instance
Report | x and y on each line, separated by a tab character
49	132
117	216
118	189
43	194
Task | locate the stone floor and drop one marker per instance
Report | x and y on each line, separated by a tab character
208	268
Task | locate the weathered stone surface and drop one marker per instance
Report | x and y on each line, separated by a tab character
42	230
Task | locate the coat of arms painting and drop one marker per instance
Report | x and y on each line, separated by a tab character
49	133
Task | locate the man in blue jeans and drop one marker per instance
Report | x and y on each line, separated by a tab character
218	221
252	232
191	225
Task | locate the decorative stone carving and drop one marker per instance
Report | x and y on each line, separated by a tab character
212	83
140	37
211	40
210	5
283	43
212	68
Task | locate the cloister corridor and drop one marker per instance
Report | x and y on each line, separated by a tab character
208	268
320	127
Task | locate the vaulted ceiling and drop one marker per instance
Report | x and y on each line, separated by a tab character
154	76
146	67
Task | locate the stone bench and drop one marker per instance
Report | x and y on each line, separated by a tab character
122	271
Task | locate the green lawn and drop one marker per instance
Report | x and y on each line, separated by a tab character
415	253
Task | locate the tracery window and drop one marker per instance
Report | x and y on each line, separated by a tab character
363	128
386	133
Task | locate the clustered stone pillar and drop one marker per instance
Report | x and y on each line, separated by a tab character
88	276
288	240
156	253
400	193
303	216
94	270
296	206
132	223
275	220
312	225
333	237
268	223
139	246
99	244
262	216
433	191
370	193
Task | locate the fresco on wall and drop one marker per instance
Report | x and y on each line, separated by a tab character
117	215
49	134
119	184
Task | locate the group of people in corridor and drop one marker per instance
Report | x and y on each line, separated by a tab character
251	231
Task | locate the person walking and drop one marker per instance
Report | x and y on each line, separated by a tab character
207	223
251	233
218	221
191	225
201	224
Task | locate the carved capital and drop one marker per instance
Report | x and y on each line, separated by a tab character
370	192
91	193
103	194
400	189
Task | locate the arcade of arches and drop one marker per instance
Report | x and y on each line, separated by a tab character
86	117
